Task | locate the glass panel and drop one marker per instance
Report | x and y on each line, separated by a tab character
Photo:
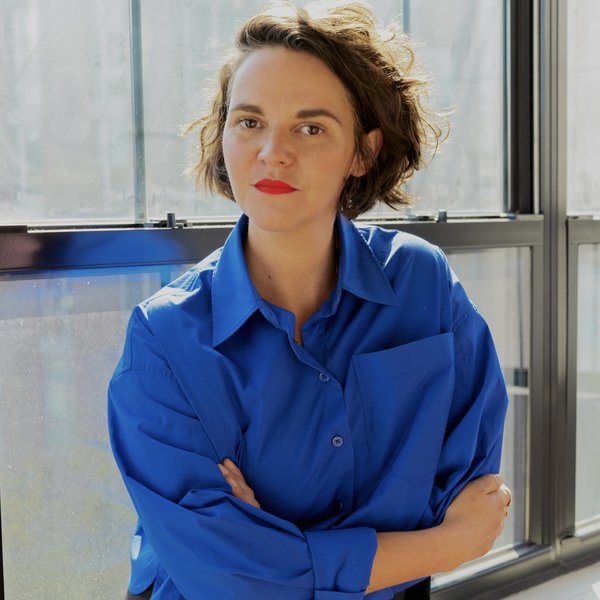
583	99
66	517
587	505
184	42
465	57
65	124
498	281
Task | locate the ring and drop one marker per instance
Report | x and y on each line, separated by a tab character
507	490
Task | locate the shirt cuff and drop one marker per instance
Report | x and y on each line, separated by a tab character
342	561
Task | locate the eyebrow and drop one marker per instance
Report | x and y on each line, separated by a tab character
307	113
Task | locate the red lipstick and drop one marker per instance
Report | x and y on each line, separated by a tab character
273	186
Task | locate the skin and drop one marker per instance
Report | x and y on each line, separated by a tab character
290	119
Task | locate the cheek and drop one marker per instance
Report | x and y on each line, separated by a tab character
332	169
227	152
236	157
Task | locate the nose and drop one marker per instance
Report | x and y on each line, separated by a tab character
275	149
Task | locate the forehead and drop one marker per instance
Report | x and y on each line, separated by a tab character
276	76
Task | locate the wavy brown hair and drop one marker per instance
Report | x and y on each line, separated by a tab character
377	68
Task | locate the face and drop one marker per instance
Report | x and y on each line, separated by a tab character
288	141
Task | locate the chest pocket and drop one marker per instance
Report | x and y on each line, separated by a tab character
406	393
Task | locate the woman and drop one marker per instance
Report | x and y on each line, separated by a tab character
314	410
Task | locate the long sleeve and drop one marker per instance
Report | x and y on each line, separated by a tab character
212	544
473	439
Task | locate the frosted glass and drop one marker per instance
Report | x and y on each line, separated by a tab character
65	111
583	100
183	43
587	505
66	517
463	49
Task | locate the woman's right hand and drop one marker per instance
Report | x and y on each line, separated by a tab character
476	517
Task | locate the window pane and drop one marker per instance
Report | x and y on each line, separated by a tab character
65	124
587	506
183	43
66	517
465	57
498	282
583	99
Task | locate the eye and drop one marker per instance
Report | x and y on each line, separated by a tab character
248	123
311	129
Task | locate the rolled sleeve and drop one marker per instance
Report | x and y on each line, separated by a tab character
473	442
342	561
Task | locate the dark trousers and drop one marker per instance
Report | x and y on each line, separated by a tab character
420	591
145	595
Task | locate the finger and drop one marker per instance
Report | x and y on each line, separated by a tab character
235	471
232	467
492	482
229	477
232	478
232	473
236	480
507	494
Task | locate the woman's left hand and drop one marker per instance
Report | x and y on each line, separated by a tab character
235	479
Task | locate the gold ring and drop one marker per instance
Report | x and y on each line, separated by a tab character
507	490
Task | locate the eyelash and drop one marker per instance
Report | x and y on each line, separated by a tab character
250	123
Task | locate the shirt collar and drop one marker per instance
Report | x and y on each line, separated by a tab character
234	297
361	273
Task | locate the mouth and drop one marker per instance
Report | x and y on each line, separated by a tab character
273	186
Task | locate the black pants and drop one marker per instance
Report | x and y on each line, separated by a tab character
421	591
145	595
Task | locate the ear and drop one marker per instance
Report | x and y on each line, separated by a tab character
374	140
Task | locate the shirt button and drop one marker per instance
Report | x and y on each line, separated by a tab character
338	506
337	441
324	377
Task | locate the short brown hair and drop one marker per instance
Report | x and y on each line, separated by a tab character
376	67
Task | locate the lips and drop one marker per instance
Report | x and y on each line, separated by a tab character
274	186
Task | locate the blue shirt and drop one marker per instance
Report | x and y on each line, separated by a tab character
395	401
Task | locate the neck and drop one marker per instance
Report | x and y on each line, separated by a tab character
296	271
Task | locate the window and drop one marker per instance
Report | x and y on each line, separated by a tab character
583	99
67	139
464	49
65	130
64	507
587	510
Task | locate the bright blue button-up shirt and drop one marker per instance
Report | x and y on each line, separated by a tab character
394	402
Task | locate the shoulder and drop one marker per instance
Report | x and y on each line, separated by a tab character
187	297
196	281
418	268
396	249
